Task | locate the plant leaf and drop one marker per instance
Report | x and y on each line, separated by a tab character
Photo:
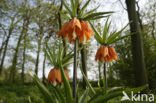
64	15
84	6
96	14
89	12
83	97
101	98
106	30
87	82
67	87
48	98
67	8
119	38
73	8
96	36
113	36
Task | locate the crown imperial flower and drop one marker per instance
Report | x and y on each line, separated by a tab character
55	75
75	29
106	54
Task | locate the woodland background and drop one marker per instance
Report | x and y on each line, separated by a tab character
27	26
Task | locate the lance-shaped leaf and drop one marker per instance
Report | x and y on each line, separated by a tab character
96	36
48	98
58	93
64	15
87	82
84	96
89	12
96	14
104	98
119	38
73	8
115	35
84	6
67	88
68	9
106	30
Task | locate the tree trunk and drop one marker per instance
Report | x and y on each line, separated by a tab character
38	55
23	68
5	49
3	44
84	63
137	48
43	72
60	25
14	62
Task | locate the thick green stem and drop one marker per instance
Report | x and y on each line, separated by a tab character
104	72
75	69
84	63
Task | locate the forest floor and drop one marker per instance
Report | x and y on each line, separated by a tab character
19	93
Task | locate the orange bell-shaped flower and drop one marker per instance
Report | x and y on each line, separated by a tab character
86	31
55	75
106	53
113	53
75	29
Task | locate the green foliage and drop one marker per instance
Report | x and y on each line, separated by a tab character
81	14
108	37
57	58
15	93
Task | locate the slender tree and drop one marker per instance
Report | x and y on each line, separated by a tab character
11	28
38	50
137	48
24	58
15	57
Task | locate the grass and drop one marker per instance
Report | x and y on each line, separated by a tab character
20	93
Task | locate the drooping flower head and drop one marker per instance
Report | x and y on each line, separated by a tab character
106	54
55	76
75	29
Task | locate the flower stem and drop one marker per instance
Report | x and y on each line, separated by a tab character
75	69
104	71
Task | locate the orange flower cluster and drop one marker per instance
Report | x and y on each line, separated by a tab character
75	29
55	75
106	53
